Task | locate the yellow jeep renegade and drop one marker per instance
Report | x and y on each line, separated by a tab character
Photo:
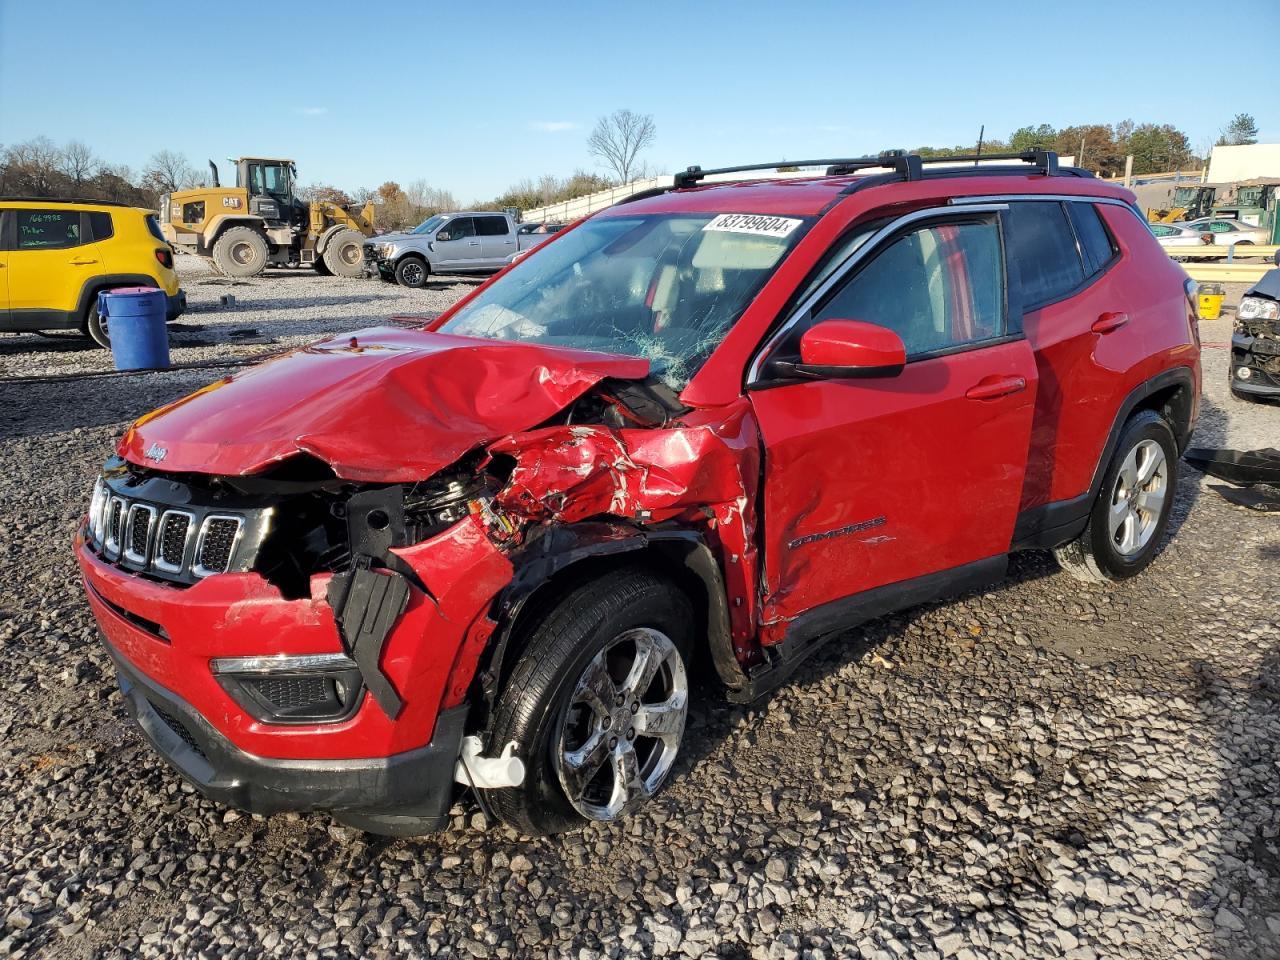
56	256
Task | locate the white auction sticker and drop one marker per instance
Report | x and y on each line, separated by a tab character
755	223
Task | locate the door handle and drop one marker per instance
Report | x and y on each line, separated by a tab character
473	243
82	263
508	241
1109	321
989	388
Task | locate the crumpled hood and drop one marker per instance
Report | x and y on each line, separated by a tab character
392	238
383	405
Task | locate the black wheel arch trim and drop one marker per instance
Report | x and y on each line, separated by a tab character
95	285
589	547
1053	524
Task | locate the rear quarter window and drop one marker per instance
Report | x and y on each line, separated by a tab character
1043	245
100	227
1096	246
153	227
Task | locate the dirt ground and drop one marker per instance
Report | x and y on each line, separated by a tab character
1047	769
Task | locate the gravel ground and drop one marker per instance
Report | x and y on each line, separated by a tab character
1045	770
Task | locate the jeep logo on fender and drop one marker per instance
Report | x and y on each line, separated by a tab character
156	452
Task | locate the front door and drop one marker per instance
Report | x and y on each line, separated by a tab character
884	481
456	245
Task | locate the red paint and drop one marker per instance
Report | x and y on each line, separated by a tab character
384	405
806	493
851	343
870	482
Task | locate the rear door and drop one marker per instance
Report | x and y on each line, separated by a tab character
877	482
497	240
456	245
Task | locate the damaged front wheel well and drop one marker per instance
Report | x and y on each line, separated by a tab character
599	553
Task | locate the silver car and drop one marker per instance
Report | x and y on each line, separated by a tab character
1226	232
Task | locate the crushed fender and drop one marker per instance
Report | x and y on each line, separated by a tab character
701	472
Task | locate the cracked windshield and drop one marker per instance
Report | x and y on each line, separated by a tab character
666	287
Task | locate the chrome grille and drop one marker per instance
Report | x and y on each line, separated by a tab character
218	536
171	541
114	523
182	545
138	538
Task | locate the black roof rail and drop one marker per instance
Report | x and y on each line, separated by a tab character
904	165
92	203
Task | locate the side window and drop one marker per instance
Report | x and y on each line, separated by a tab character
1219	227
100	227
1163	230
461	227
47	229
1096	245
939	286
1040	241
493	226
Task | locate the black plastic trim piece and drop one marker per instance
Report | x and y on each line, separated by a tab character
809	631
366	605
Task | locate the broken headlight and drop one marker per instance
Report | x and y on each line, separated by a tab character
1258	308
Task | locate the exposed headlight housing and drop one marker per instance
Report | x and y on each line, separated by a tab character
1258	308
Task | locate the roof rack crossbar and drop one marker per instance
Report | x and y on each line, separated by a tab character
905	166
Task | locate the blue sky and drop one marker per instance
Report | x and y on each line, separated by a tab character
473	96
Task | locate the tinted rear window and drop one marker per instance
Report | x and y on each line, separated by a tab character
100	227
492	226
153	225
1096	245
1042	244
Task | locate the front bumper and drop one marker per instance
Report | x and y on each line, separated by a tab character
1262	358
403	794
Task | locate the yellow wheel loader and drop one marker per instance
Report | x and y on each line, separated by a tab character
260	223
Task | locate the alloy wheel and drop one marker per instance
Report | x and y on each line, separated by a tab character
1137	499
622	728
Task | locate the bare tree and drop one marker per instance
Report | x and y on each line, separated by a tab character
167	171
31	168
618	138
77	162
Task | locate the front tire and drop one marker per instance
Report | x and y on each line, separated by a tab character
1132	509
412	272
596	704
240	252
344	254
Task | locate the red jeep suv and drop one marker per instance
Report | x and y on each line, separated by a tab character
718	423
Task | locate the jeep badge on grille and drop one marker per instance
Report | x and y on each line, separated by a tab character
156	452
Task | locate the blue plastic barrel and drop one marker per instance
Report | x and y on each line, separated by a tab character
135	319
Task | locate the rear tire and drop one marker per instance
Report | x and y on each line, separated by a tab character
94	325
597	639
344	254
412	272
241	252
1129	516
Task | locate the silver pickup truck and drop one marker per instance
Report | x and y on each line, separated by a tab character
468	242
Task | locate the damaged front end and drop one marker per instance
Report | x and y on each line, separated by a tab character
329	611
1255	342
